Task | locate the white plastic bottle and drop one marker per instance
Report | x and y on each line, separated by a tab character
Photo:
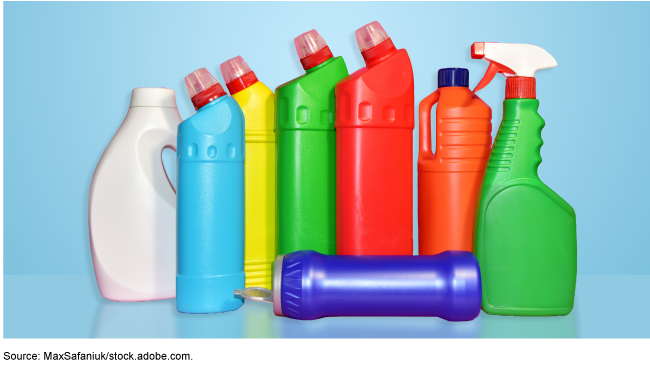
132	204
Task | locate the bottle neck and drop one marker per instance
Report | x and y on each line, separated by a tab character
321	65
212	93
316	59
519	87
379	52
241	83
210	103
516	149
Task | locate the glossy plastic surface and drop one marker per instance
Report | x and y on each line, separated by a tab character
525	234
374	159
256	102
447	285
449	180
306	160
132	205
210	214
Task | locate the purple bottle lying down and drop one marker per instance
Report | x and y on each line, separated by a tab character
309	285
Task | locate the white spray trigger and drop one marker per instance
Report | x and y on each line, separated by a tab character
521	59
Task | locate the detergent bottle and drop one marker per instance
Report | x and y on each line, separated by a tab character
210	198
449	180
374	150
256	102
306	150
132	204
308	285
525	234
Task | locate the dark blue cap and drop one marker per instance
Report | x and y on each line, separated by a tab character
453	77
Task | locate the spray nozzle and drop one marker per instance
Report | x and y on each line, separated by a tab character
511	59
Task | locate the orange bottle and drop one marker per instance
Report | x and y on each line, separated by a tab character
449	180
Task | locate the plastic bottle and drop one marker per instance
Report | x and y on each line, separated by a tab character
306	150
256	102
210	220
525	234
308	285
374	150
132	205
449	180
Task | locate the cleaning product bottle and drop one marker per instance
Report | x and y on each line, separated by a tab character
306	150
449	180
308	285
256	102
132	205
525	234
210	216
374	150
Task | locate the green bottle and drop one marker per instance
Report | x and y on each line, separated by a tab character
524	233
306	151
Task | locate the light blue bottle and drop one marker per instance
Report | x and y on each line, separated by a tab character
210	200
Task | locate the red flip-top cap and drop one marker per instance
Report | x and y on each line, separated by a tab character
203	88
374	43
237	75
312	49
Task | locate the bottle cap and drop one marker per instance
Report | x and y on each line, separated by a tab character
203	88
370	35
153	96
374	43
453	77
520	87
312	49
515	61
237	75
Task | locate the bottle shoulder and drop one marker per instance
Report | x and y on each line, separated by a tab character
316	84
527	192
461	102
379	96
144	118
256	102
215	118
308	102
518	108
142	124
392	77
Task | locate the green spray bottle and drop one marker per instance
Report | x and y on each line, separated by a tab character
524	233
306	151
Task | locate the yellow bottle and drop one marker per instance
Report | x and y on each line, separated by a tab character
256	101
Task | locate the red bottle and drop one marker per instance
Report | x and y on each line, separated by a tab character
374	151
449	180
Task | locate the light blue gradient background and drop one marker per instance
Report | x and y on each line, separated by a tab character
69	69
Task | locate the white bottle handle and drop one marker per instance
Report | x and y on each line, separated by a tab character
173	148
151	164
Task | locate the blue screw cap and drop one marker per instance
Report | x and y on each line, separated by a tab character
453	77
